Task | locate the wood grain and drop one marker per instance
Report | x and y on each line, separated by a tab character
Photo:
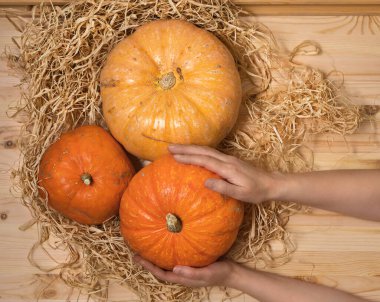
306	2
334	250
313	10
271	7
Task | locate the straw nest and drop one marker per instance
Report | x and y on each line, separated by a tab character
61	53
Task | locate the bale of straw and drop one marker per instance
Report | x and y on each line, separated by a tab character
61	54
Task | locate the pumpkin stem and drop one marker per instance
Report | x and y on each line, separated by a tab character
173	223
167	81
86	178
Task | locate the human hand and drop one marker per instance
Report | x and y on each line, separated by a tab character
216	274
240	180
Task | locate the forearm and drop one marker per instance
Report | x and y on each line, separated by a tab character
352	192
267	287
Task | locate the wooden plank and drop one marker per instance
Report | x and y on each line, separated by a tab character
366	288
308	263
313	10
313	7
328	161
276	8
303	2
336	239
32	2
20	10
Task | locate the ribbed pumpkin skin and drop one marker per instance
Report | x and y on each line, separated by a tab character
210	221
92	150
202	106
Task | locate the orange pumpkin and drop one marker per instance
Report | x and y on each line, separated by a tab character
169	217
85	173
169	82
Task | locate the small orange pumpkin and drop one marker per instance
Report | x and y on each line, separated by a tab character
85	173
169	82
169	217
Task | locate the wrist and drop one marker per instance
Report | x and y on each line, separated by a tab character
277	186
233	276
247	280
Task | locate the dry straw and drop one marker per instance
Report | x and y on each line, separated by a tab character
61	53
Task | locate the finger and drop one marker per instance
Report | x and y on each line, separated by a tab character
201	274
188	272
197	150
155	270
158	272
167	275
223	187
210	163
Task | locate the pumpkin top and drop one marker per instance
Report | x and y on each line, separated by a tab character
169	82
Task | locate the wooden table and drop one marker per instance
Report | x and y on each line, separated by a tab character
332	249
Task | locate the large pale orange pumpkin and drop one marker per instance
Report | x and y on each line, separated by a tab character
169	82
85	174
169	217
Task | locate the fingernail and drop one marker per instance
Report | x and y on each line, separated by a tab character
208	183
172	147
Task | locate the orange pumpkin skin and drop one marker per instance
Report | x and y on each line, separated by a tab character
64	174
169	82
210	221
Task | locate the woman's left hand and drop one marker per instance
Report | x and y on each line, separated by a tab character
216	274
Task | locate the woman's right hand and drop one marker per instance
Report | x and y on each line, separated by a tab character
240	180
